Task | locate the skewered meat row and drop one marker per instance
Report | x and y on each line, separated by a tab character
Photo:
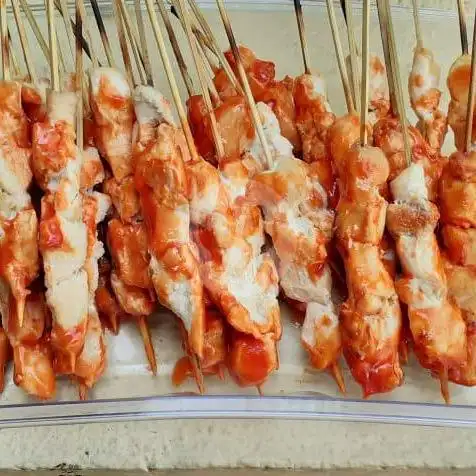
370	317
425	97
56	164
239	277
300	225
162	186
129	280
436	324
24	314
459	225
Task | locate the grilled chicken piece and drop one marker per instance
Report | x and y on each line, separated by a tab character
314	117
389	137
379	96
437	326
279	97
371	317
234	125
458	190
425	97
342	135
252	360
462	290
111	103
458	84
32	356
260	73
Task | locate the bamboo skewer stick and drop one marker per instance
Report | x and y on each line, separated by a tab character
352	52
215	96
175	48
5	42
206	53
396	81
463	32
340	57
171	79
416	21
302	36
471	96
364	110
123	43
386	54
63	9
244	81
143	40
85	44
103	33
24	42
13	59
35	28
53	49
215	47
127	23
79	73
203	85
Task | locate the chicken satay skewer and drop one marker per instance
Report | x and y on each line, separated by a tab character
91	361
405	206
251	359
462	27
191	147
142	319
340	57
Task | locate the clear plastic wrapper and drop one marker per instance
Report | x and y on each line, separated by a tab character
128	390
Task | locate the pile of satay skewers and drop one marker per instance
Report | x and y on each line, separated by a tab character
109	208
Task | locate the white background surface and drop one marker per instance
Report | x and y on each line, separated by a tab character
169	444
